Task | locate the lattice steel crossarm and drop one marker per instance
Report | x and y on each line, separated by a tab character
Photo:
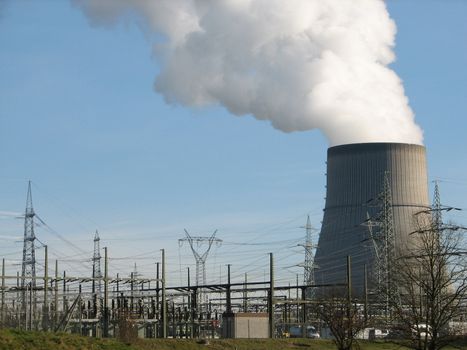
200	258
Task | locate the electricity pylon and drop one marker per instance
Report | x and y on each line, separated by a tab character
384	245
308	273
436	214
197	242
28	269
96	267
389	239
200	258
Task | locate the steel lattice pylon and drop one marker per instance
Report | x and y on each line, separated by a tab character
384	245
308	275
436	209
387	225
28	270
96	267
200	258
389	239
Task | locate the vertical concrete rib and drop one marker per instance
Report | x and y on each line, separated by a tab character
355	174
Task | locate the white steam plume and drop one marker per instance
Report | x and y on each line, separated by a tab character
301	64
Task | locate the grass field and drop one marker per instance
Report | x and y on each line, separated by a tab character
21	340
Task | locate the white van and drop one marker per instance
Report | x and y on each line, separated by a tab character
311	332
423	329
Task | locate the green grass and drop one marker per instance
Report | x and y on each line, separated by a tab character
21	340
235	344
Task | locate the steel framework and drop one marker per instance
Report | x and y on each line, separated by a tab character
96	267
28	269
308	275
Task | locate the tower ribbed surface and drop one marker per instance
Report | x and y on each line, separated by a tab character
355	175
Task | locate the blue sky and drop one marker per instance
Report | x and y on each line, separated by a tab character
79	117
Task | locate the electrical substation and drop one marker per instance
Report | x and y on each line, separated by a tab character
375	191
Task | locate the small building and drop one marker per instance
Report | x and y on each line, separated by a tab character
245	325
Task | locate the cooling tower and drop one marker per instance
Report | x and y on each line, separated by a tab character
355	177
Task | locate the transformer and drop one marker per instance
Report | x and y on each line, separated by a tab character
356	174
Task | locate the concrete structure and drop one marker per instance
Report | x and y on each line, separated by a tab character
355	176
245	325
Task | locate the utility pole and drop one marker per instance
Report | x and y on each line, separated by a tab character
106	295
3	293
80	311
297	296
164	301
56	295
365	291
245	293
228	296
65	302
158	306
18	305
45	322
349	287
131	291
28	269
190	305
349	280
271	296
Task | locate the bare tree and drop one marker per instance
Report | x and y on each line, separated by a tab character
344	319
126	326
432	285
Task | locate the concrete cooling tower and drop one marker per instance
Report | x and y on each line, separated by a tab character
355	178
